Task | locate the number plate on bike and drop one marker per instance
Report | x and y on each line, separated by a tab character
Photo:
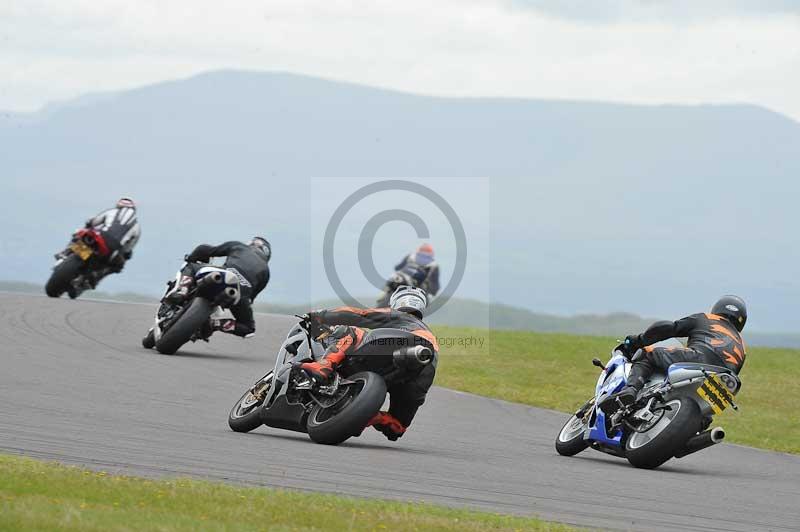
715	393
81	250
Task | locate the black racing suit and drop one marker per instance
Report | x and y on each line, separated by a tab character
253	272
422	269
405	396
712	340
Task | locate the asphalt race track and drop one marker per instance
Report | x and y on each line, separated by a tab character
76	386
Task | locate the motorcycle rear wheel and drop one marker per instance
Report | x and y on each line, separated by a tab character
62	275
348	417
651	448
186	325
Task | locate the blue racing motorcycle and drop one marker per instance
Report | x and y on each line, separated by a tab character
670	418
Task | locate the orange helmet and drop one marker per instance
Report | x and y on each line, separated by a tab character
425	248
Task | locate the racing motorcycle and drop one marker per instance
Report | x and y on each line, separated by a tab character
399	278
287	398
214	290
80	266
670	417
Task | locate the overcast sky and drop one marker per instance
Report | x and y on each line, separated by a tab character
616	50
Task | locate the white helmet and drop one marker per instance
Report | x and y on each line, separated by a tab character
409	299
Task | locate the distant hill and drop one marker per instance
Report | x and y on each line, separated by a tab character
592	207
465	313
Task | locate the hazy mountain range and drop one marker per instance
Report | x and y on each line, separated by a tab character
586	208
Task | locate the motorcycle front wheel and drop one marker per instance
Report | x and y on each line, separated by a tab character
350	415
245	414
570	440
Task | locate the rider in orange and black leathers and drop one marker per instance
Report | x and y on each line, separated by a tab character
713	338
406	396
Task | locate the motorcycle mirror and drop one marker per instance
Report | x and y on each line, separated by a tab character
596	362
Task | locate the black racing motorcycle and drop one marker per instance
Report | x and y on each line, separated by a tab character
214	290
399	278
287	398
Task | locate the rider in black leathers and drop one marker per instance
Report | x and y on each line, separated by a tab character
250	262
714	338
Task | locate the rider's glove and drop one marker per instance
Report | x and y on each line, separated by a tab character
630	345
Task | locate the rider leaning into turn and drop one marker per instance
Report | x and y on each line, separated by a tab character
249	261
713	338
406	308
120	229
422	267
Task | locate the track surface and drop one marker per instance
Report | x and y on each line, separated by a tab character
76	386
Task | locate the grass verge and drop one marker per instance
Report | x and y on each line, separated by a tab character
38	495
555	371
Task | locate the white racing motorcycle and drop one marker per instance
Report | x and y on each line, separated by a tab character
215	289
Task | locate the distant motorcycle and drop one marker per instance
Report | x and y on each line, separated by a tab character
215	289
286	398
399	278
80	266
670	418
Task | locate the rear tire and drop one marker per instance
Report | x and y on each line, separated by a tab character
355	415
570	441
187	324
63	275
246	413
648	451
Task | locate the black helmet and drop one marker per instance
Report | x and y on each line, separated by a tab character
261	245
732	308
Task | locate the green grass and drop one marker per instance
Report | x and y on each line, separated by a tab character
47	496
555	371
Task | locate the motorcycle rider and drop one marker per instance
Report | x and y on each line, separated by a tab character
714	338
421	266
250	262
405	312
120	229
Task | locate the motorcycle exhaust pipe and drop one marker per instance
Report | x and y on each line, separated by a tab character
211	278
413	357
701	441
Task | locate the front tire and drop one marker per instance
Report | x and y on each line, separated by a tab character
348	417
651	448
570	440
186	325
149	341
246	412
63	275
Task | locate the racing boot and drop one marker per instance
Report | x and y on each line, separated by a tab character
627	395
178	295
321	371
623	398
387	424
